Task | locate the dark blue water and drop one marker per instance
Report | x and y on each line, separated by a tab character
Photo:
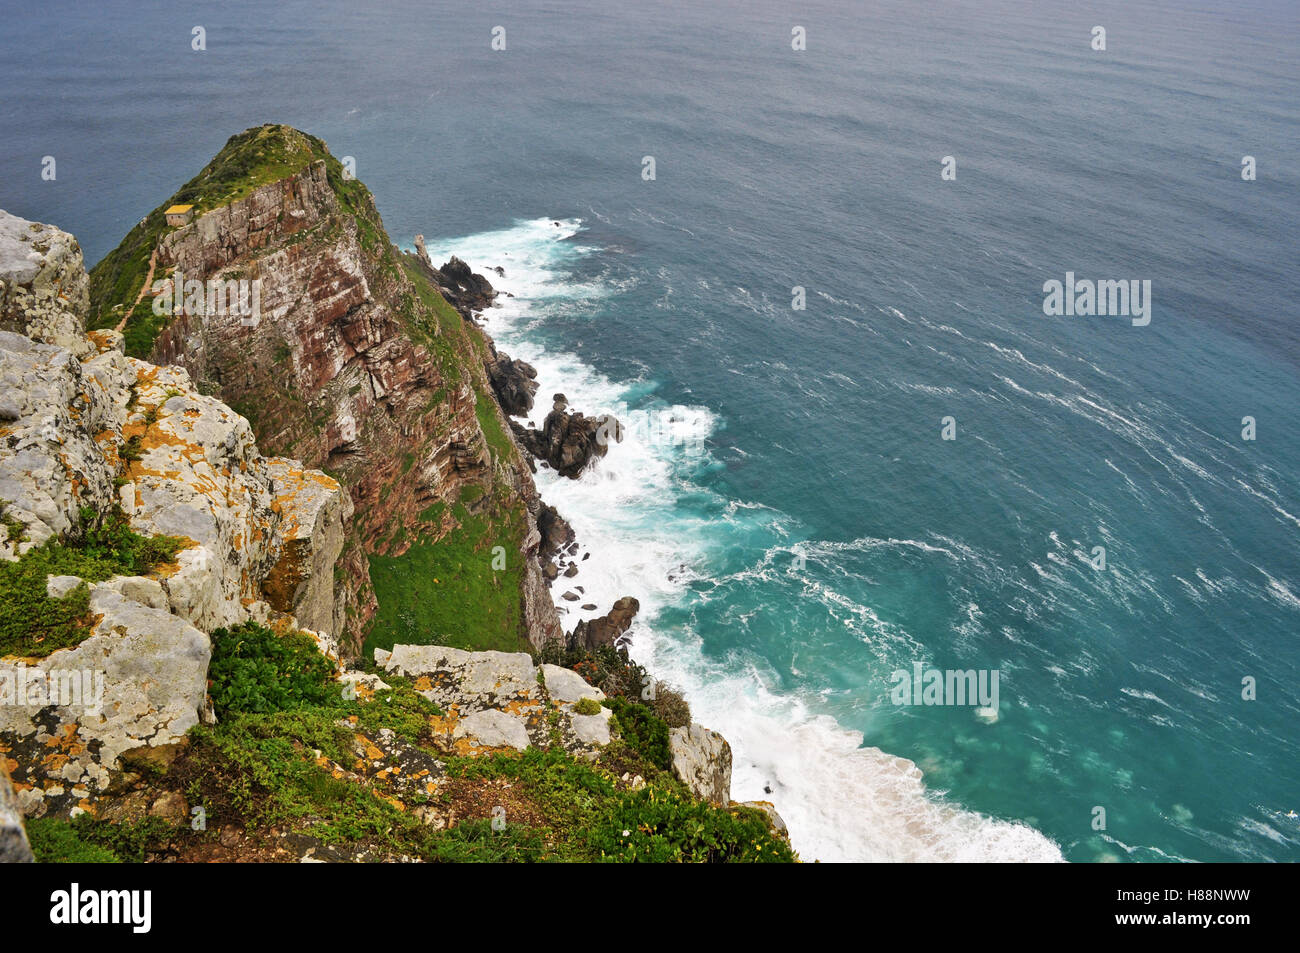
1120	688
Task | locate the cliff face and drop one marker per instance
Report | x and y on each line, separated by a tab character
86	431
158	572
355	364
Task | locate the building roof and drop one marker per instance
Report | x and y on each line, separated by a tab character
178	209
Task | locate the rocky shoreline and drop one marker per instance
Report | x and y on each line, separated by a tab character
384	413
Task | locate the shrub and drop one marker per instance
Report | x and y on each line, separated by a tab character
254	669
657	826
669	705
644	732
608	668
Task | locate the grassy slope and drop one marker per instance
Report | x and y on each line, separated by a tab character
445	588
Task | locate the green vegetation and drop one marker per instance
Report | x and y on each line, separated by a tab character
142	328
249	160
585	817
34	625
256	670
56	841
15	529
279	710
117	279
658	826
448	593
273	771
643	731
489	420
85	840
614	673
587	706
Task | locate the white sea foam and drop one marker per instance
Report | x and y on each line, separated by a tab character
842	801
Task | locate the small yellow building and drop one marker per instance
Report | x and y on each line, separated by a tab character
179	215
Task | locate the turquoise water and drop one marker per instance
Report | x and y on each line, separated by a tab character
784	506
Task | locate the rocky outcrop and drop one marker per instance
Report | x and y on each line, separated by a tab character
498	701
591	634
702	761
467	292
349	367
101	433
775	822
314	514
260	220
557	534
44	291
569	442
140	679
114	431
514	383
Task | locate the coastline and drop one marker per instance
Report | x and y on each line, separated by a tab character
843	800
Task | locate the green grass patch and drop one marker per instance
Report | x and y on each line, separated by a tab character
448	593
142	329
34	625
493	430
85	840
644	732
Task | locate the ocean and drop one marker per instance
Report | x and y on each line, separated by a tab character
1097	532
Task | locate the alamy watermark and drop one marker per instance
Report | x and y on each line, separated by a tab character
1084	297
214	298
26	687
922	686
674	426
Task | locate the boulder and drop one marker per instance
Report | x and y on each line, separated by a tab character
314	512
140	678
702	761
44	289
464	290
556	533
493	728
774	820
514	383
499	700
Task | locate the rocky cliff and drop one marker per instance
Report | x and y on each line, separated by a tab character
356	364
86	431
181	616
